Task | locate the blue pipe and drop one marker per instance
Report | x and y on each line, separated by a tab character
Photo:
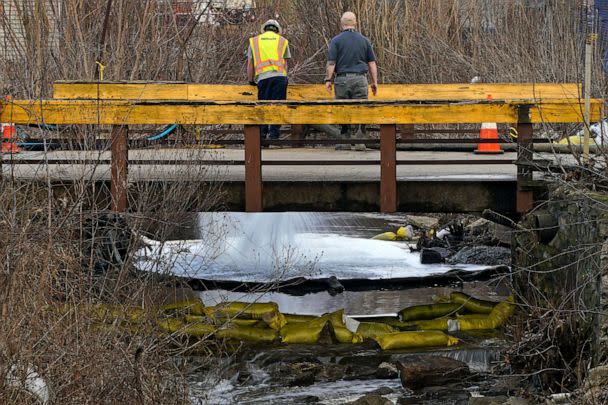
165	133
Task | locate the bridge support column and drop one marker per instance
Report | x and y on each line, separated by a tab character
253	169
388	168
119	167
525	199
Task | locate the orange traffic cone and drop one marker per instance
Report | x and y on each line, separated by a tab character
488	131
9	134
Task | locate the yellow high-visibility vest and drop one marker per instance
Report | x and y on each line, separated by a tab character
268	50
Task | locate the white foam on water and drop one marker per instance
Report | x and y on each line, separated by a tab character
272	246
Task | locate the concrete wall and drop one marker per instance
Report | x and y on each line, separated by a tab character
414	196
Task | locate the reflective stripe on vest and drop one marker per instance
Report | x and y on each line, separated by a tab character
268	50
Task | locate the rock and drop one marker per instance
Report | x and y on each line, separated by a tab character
307	399
302	379
359	373
330	372
386	371
383	391
501	400
422	221
294	374
374	360
289	355
422	370
482	255
334	286
431	256
452	394
479	227
482	228
372	399
446	394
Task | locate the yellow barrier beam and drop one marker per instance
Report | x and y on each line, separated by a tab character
64	112
217	92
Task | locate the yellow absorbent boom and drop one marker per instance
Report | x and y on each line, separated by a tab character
192	306
432	311
471	304
417	339
244	310
495	319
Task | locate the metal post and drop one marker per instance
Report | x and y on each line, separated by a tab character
388	168
587	96
525	198
120	167
253	169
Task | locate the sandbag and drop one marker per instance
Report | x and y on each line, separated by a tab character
495	319
336	318
407	340
293	318
275	320
303	332
389	320
386	236
343	335
471	304
245	310
222	321
247	333
371	330
433	311
431	324
115	312
192	306
172	325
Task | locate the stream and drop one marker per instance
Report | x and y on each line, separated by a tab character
270	247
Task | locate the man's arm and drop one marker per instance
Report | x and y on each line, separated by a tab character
373	71
331	68
249	70
332	57
286	57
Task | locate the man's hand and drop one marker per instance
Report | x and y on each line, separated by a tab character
328	86
374	89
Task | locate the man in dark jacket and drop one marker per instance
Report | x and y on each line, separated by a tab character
350	58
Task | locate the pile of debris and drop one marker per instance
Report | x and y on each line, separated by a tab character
458	241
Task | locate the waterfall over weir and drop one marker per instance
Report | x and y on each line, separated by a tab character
271	246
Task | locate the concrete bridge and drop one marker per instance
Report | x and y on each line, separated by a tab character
313	178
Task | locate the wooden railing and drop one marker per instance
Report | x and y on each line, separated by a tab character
123	104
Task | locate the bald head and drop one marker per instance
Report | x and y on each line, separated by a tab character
348	20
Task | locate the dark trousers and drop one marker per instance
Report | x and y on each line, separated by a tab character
351	87
273	88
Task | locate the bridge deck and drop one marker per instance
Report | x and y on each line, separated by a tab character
228	165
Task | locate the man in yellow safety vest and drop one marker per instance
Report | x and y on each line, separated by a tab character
267	68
